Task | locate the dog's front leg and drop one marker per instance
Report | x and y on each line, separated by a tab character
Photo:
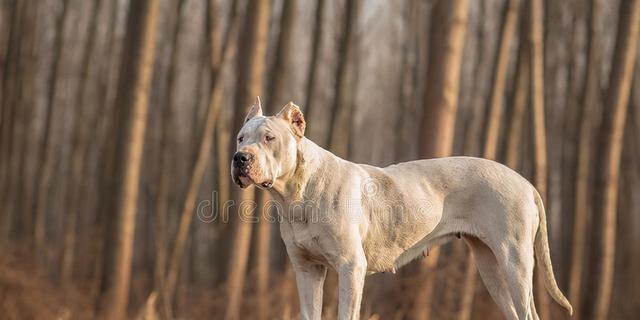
310	279
351	275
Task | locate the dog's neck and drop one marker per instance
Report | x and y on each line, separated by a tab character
310	159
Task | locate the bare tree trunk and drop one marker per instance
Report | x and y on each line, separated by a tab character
21	105
7	18
539	135
342	106
635	147
287	291
520	99
492	129
537	94
10	87
315	56
443	78
274	100
408	75
223	142
590	99
283	55
78	151
167	161
44	173
9	23
253	43
202	158
468	293
448	28
133	95
162	203
107	84
499	79
612	138
222	172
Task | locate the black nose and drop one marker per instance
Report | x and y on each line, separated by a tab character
242	159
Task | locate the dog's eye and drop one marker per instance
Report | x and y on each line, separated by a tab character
269	138
240	138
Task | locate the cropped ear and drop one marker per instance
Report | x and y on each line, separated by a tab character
254	111
292	114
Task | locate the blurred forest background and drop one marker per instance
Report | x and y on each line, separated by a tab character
118	118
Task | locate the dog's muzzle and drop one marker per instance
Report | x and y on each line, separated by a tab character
242	172
242	160
241	165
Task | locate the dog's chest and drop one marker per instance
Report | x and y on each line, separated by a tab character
305	238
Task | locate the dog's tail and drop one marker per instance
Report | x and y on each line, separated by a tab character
541	247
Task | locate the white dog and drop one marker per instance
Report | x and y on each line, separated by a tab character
360	219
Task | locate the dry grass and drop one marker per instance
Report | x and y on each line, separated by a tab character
26	294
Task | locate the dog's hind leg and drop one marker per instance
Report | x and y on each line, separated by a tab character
492	276
516	261
532	307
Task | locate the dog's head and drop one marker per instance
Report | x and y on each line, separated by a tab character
267	146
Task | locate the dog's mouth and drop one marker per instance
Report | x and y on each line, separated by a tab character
244	180
266	184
